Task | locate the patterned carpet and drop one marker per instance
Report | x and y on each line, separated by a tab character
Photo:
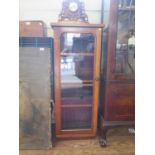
120	142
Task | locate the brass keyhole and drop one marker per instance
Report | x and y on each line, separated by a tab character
97	78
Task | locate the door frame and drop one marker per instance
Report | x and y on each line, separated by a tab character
76	133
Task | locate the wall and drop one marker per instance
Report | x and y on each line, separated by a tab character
106	12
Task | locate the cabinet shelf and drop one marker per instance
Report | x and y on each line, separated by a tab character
75	84
77	54
76	105
75	81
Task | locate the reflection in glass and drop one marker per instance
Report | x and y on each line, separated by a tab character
77	57
76	118
125	48
76	94
126	4
77	42
76	69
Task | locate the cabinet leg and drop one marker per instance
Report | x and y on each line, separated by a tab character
53	135
103	139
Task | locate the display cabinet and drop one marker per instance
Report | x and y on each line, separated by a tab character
77	46
118	72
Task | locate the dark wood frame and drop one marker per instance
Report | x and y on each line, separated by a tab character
77	27
117	87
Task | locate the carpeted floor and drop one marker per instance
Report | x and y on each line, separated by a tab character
120	142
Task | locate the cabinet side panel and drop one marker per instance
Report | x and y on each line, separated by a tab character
120	103
34	96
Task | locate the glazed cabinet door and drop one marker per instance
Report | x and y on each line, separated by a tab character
122	40
76	83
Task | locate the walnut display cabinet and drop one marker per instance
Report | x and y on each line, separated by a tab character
118	84
77	47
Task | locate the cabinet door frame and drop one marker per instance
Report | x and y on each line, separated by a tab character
111	75
76	133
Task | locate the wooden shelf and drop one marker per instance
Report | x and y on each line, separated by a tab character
76	81
75	84
77	54
76	105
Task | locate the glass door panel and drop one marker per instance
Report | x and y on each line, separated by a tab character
76	95
77	43
125	47
76	69
76	118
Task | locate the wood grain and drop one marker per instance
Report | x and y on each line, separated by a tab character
71	27
118	88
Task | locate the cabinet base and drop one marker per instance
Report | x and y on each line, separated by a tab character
106	125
